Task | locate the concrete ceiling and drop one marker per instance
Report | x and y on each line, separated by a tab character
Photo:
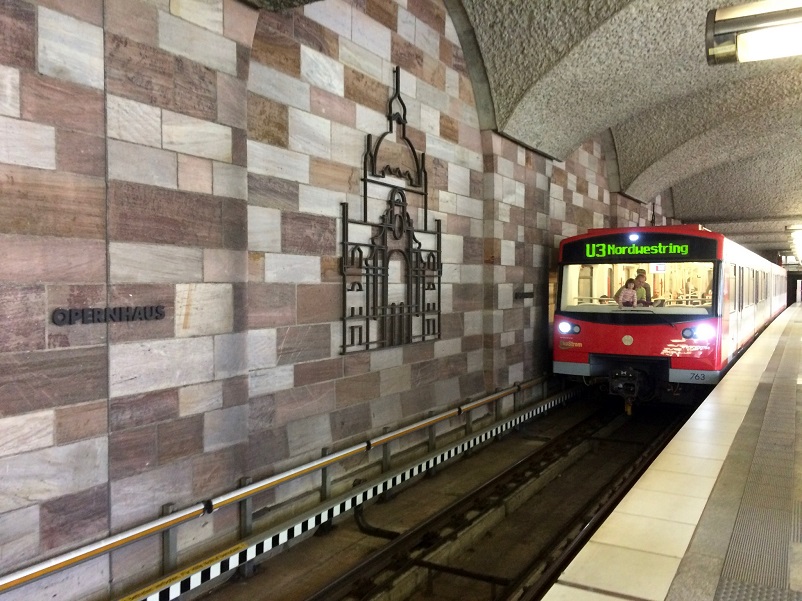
725	140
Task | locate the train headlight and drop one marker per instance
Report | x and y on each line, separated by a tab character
701	332
704	331
568	328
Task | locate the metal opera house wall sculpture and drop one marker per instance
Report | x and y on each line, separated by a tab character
391	271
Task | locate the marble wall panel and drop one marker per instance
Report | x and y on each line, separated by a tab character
365	90
133	121
318	371
47	379
139	367
361	59
385	12
268	121
218	472
9	92
26	432
220	265
309	134
351	422
143	410
142	164
230	180
235	391
277	162
323	72
234	224
203	309
230	355
88	581
207	48
36	202
309	434
194	174
163	80
81	421
277	86
225	427
18	42
272	193
69	48
19	536
27	144
266	381
139	498
314	36
317	304
80	153
180	438
196	137
358	389
302	343
308	235
232	94
239	21
65	105
274	49
333	175
132	452
200	398
134	19
270	305
132	295
204	13
47	473
23	318
292	268
139	213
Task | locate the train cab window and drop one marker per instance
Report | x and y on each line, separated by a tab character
678	287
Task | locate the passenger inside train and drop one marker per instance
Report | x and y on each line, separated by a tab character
665	287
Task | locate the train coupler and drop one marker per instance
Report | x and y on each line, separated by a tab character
625	382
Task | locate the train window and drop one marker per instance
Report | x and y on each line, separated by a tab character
682	287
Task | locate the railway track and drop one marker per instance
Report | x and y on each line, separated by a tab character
507	538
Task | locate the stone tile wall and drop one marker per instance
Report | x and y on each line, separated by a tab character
195	154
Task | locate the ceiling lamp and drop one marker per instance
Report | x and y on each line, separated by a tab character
795	235
754	32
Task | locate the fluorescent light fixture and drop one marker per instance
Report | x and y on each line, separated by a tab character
753	32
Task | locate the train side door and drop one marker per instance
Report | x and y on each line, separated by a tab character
731	309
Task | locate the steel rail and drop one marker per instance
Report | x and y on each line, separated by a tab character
569	542
396	551
65	560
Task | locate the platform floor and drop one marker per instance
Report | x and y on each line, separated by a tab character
718	516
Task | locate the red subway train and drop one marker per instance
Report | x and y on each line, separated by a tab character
699	299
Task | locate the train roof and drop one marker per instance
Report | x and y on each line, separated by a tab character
683	229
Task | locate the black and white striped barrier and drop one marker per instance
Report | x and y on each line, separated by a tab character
174	585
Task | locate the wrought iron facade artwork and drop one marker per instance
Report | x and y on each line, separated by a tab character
391	271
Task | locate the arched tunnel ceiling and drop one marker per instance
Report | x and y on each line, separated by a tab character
725	140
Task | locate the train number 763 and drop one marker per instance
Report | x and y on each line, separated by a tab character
697	377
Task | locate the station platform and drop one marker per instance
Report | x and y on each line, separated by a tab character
718	515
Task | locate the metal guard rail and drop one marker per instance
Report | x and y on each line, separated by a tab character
98	548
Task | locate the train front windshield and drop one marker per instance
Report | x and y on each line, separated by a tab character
676	287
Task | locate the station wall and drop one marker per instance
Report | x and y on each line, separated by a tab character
171	179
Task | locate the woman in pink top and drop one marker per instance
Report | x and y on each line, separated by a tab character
628	296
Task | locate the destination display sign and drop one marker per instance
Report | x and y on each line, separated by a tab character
653	248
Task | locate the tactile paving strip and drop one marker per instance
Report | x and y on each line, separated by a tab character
730	590
756	565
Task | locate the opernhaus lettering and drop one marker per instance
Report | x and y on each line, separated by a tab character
86	315
614	250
